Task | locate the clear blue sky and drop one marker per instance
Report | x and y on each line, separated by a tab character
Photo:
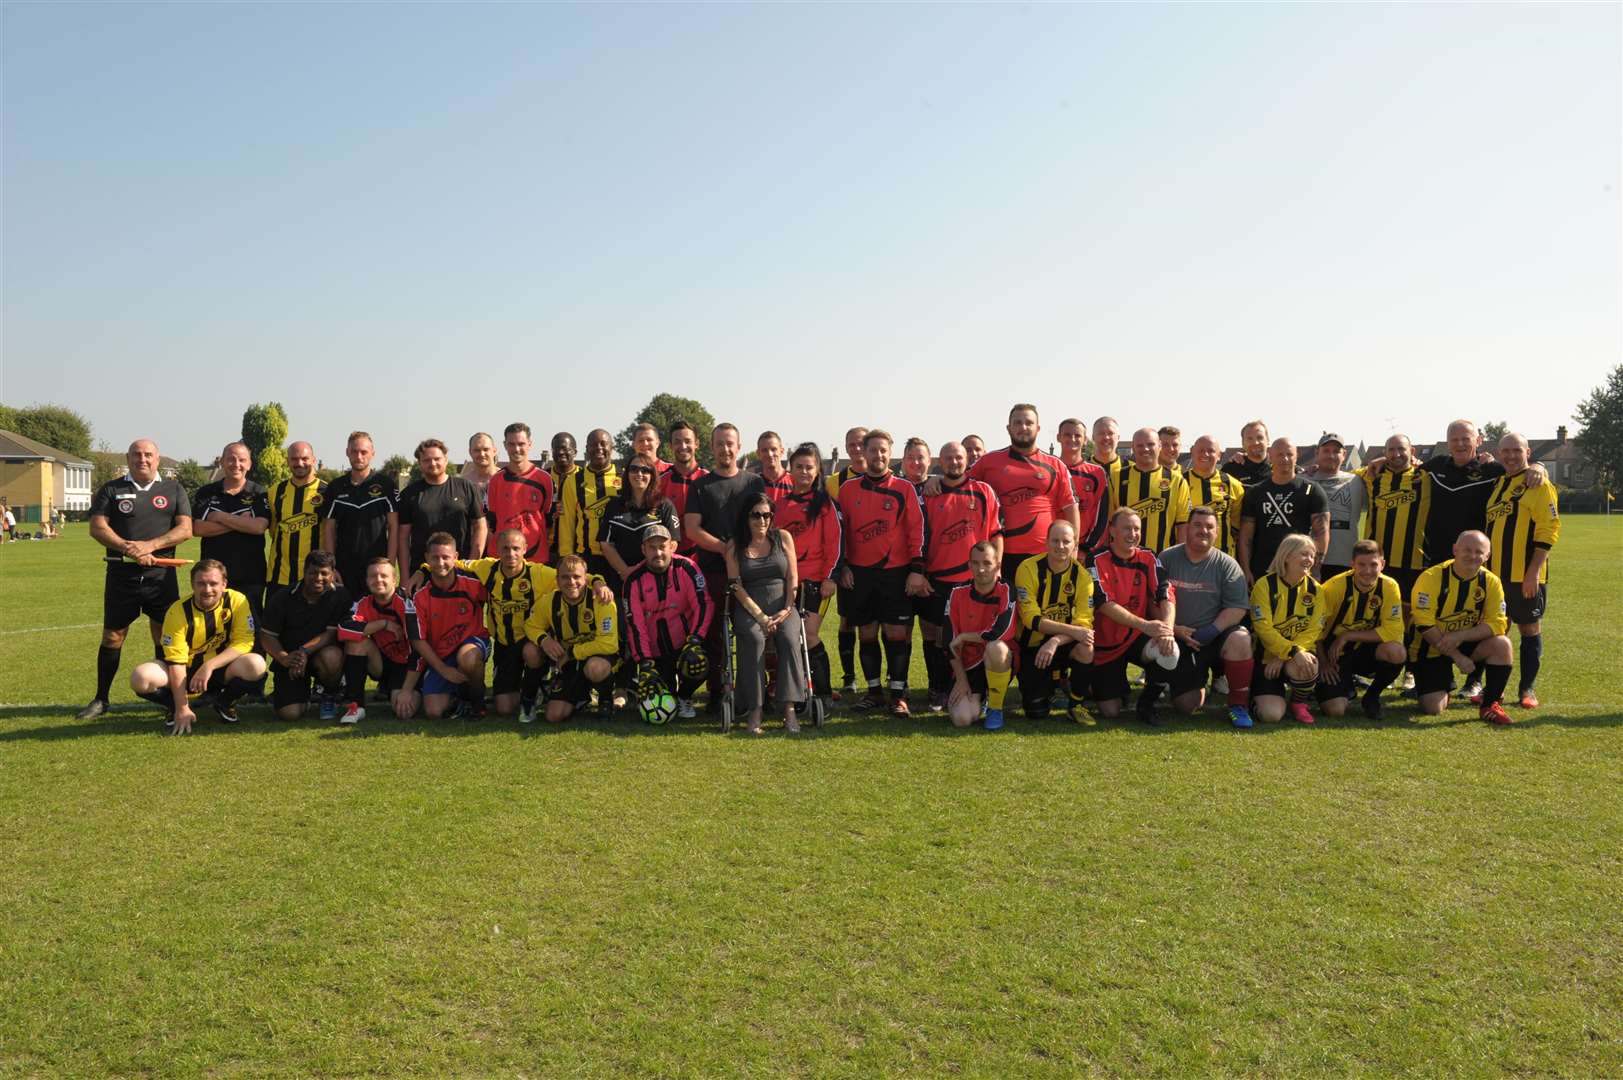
432	219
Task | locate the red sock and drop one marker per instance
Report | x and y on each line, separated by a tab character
1238	673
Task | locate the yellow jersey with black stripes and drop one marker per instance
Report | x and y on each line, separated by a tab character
1399	504
508	600
1350	610
193	635
1159	497
295	525
836	480
1063	596
585	498
586	628
1521	520
1224	494
1285	616
1443	599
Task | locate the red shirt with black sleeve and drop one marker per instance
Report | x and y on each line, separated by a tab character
677	487
884	527
955	520
991	615
1090	483
523	503
394	641
450	615
1034	489
817	544
1135	583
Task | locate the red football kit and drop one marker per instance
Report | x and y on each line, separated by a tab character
1090	483
451	615
677	487
991	615
522	503
1135	583
954	521
817	547
393	641
1034	489
884	527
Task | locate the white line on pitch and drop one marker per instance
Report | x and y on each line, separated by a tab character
47	629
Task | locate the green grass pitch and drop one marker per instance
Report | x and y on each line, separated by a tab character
882	897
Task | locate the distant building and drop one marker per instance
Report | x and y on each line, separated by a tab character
36	479
168	467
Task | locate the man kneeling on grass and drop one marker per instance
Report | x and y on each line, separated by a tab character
454	645
379	638
1459	615
1362	611
298	630
207	644
576	630
981	624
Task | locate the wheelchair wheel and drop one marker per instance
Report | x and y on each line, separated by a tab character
815	711
726	711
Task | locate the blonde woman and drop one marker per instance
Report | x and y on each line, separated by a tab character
1287	623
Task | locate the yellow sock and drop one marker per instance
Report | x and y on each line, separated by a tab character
997	686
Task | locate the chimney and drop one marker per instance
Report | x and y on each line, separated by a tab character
1561	435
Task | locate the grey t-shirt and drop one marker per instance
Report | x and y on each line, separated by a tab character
1346	494
1204	588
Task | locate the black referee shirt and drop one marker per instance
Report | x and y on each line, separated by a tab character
242	553
137	512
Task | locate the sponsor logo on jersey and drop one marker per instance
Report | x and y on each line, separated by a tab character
957	531
1394	499
873	530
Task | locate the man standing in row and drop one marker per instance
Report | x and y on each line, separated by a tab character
138	518
1523	527
1345	493
361	521
1090	483
1283	504
519	497
296	507
1221	492
231	515
685	471
586	497
1156	493
1033	488
438	503
1253	466
712	506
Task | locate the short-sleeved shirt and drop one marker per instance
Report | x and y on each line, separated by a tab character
715	499
1279	510
623	526
1346	495
137	512
242	553
1206	587
1459	502
1033	488
193	635
295	529
294	620
451	507
360	511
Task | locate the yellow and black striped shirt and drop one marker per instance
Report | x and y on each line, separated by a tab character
1442	598
1040	593
586	628
295	527
1399	503
193	635
1224	494
585	499
836	479
1285	615
1521	519
508	600
1348	610
1159	497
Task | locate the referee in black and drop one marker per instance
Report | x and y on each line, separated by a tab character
137	518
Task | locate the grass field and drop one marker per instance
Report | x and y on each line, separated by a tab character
881	897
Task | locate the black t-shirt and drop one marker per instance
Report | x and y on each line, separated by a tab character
715	499
242	553
1249	473
141	513
1459	501
451	507
294	620
1279	510
360	512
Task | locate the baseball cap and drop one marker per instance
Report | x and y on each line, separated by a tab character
655	532
1331	437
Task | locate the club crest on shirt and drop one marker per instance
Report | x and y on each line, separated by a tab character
160	502
316	500
126	506
375	490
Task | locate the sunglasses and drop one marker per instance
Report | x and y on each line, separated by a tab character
760	515
639	469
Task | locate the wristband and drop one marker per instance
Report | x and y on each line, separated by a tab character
1207	634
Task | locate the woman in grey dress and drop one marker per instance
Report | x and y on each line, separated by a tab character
763	580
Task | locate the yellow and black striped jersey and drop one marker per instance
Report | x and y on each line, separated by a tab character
295	527
1040	593
1159	497
193	635
1348	609
1521	519
1399	503
586	628
1285	615
1443	599
1224	494
508	600
585	497
836	479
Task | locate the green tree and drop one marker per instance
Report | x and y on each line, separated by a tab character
1492	432
396	465
662	411
192	475
54	425
264	429
106	466
1601	439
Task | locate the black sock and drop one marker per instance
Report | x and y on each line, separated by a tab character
355	679
1532	655
160	697
1148	696
234	689
530	685
819	669
1301	692
848	651
1080	678
1385	675
1494	678
937	666
106	668
871	656
898	658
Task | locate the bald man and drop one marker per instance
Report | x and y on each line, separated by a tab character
1459	622
138	518
296	507
232	515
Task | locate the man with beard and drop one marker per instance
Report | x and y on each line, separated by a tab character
586	496
961	515
438	503
709	517
296	507
1033	488
362	521
1251	466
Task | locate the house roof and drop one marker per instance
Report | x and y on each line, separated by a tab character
113	457
13	445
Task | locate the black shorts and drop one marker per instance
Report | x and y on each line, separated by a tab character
289	689
1110	678
1356	659
1196	668
1433	675
933	608
132	591
569	683
879	595
509	674
1520	609
811	598
1405	580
